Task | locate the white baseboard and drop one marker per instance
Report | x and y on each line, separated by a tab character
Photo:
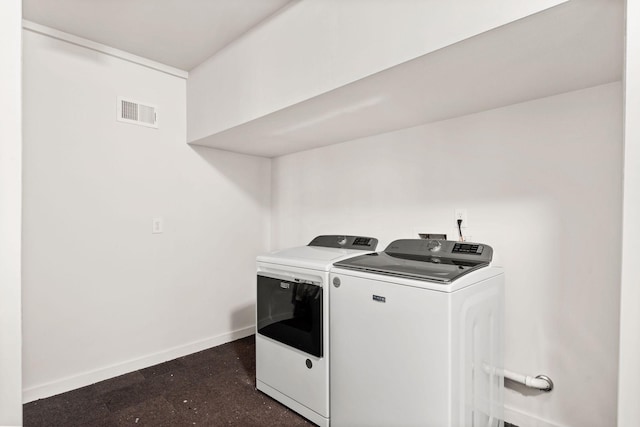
87	378
523	419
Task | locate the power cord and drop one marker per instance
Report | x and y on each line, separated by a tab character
460	230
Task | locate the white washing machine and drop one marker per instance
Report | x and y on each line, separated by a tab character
292	328
416	336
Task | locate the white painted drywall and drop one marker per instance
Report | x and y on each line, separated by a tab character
629	387
10	212
541	182
102	294
312	47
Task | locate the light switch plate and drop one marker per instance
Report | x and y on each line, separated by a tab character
156	225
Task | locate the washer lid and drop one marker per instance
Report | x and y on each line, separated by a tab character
432	260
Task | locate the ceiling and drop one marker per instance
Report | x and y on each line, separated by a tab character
179	33
576	45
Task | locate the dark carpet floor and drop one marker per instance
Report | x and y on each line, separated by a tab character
214	387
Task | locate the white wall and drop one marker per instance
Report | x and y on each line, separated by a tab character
629	390
312	47
10	212
102	294
542	184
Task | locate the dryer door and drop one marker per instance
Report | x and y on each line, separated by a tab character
291	313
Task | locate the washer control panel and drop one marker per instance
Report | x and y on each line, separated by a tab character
467	248
465	251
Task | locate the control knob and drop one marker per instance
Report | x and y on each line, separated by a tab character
434	245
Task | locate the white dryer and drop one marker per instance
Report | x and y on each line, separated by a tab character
416	336
292	328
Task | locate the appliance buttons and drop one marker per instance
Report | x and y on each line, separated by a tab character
309	363
336	282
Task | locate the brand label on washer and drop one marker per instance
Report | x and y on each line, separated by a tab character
379	298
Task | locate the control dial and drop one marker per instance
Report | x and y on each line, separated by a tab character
434	245
342	240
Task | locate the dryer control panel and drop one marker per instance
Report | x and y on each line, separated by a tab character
345	242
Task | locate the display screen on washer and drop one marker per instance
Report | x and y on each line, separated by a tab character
467	248
291	313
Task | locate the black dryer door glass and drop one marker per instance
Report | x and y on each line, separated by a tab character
291	313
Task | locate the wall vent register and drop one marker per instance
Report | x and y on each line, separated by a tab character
134	112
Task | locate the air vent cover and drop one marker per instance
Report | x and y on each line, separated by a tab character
137	113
